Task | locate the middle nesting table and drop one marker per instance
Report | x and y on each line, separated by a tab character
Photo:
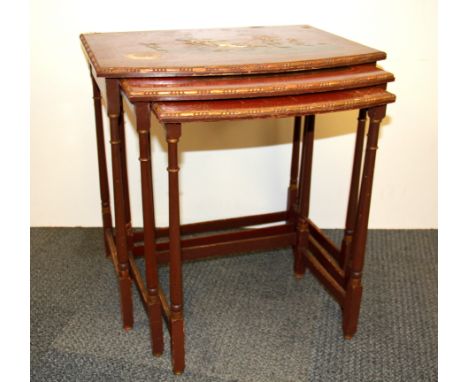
187	99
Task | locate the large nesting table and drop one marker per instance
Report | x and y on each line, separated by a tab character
209	75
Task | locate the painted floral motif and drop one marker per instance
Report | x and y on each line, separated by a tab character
261	41
153	46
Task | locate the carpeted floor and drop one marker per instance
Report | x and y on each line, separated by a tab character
247	318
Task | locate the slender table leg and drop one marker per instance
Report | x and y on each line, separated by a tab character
103	179
354	188
292	190
113	110
123	148
304	194
173	132
143	114
356	262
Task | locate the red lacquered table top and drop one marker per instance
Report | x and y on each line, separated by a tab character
227	51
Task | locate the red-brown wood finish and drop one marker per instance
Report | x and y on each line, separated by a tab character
324	241
304	195
173	132
229	74
220	244
227	51
354	188
113	111
327	280
123	148
353	271
143	115
271	107
326	260
225	224
102	166
253	86
293	181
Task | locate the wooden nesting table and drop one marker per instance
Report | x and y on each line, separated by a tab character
227	74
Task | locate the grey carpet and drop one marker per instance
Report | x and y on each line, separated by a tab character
247	318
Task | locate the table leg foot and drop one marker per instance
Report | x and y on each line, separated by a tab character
177	346
126	302
298	276
352	306
157	340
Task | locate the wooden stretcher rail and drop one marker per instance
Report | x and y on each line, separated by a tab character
112	249
166	310
327	261
136	275
143	292
223	240
335	289
164	304
222	224
238	246
230	236
231	247
324	241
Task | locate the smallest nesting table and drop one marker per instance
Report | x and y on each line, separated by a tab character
230	74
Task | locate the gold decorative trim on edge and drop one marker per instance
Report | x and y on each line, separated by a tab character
378	79
274	111
319	63
90	54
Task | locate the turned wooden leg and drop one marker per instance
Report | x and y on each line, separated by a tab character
103	178
354	189
123	148
173	132
113	108
356	262
292	190
304	195
143	114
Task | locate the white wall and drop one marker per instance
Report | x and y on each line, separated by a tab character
241	171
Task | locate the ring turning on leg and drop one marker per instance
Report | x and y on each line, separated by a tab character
353	271
354	189
113	96
102	165
304	195
143	113
173	132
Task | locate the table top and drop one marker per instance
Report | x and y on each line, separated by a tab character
272	107
227	51
256	85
